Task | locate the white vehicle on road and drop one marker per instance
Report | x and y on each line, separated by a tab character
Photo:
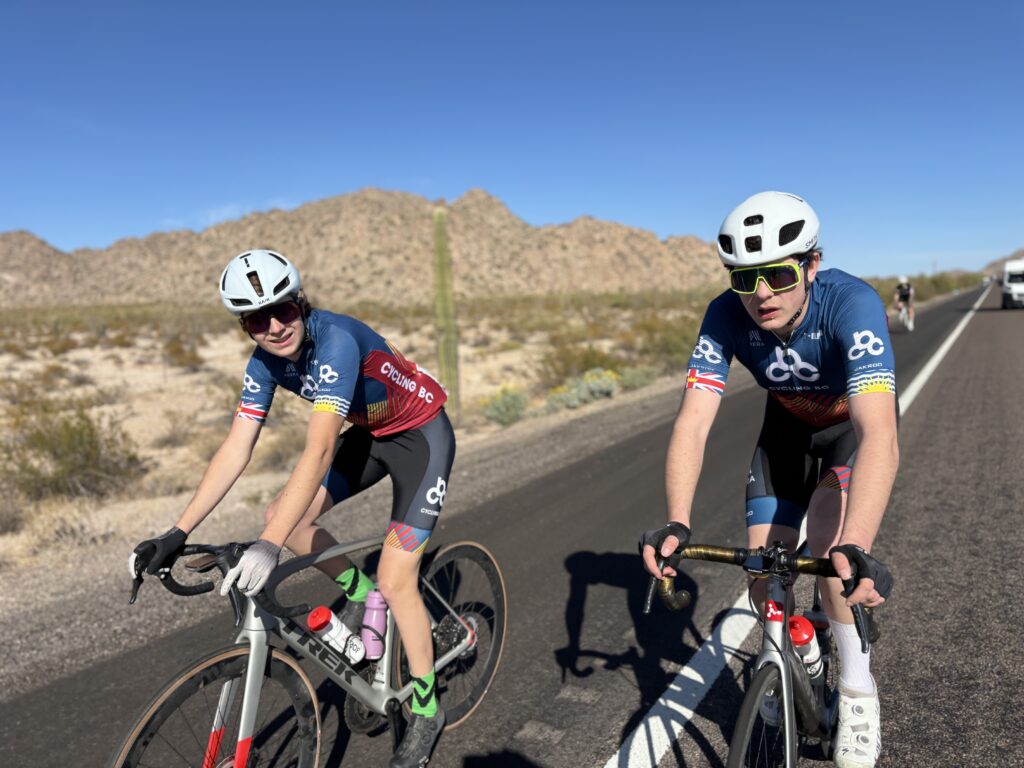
1013	284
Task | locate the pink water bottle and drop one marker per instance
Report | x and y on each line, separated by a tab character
375	623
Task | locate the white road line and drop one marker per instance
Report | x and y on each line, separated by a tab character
662	725
921	379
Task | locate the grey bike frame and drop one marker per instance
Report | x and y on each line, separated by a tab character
258	625
773	645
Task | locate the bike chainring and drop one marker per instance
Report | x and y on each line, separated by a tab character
358	717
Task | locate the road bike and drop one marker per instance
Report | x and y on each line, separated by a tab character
785	708
904	316
252	703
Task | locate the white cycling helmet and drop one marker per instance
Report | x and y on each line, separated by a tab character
770	226
257	278
902	279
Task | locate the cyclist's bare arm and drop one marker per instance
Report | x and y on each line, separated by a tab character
878	456
302	486
683	463
224	469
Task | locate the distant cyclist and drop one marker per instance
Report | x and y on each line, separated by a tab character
817	341
349	372
903	297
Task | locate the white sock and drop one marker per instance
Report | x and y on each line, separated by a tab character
854	667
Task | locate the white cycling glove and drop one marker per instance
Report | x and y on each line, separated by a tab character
253	569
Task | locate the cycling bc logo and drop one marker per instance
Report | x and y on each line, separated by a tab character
436	494
706	351
250	384
789	362
865	342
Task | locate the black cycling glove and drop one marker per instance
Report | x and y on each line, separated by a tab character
864	566
161	552
656	537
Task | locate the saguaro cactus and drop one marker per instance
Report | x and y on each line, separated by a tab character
444	311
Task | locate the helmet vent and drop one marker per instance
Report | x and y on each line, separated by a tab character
254	280
790	232
280	287
283	262
240	302
750	221
753	243
726	242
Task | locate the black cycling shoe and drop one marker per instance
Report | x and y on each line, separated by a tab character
420	738
351	615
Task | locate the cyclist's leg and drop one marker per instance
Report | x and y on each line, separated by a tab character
858	740
352	471
419	462
824	525
778	485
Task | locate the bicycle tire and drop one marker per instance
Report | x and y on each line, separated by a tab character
469	579
755	742
174	728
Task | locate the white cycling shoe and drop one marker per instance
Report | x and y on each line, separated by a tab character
858	740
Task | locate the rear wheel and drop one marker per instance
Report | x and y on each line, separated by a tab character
178	726
758	742
467	578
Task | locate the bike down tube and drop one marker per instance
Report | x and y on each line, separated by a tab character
772	648
258	659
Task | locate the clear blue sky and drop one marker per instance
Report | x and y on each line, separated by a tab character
900	122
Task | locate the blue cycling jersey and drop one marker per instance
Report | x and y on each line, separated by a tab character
346	368
840	349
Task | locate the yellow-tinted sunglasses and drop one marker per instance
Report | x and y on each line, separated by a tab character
778	277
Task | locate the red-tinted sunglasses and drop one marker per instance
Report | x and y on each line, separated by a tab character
259	321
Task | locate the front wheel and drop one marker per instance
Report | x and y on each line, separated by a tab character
194	720
759	740
467	578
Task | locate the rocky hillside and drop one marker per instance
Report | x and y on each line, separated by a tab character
371	245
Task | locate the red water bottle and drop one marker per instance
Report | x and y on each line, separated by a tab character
805	641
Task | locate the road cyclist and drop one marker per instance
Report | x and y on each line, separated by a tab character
903	301
399	429
817	341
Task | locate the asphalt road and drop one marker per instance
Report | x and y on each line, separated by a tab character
582	666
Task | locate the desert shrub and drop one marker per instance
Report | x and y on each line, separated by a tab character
506	407
14	350
182	353
663	340
180	429
49	453
638	376
593	385
280	445
58	345
564	362
13	512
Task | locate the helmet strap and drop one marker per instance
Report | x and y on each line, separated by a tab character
805	302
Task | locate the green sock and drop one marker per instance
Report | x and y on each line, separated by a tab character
356	584
424	695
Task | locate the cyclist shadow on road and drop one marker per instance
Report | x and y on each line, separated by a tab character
658	641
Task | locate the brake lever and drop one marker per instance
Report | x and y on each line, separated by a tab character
860	619
236	604
652	586
136	583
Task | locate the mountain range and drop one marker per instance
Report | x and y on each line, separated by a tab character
371	245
